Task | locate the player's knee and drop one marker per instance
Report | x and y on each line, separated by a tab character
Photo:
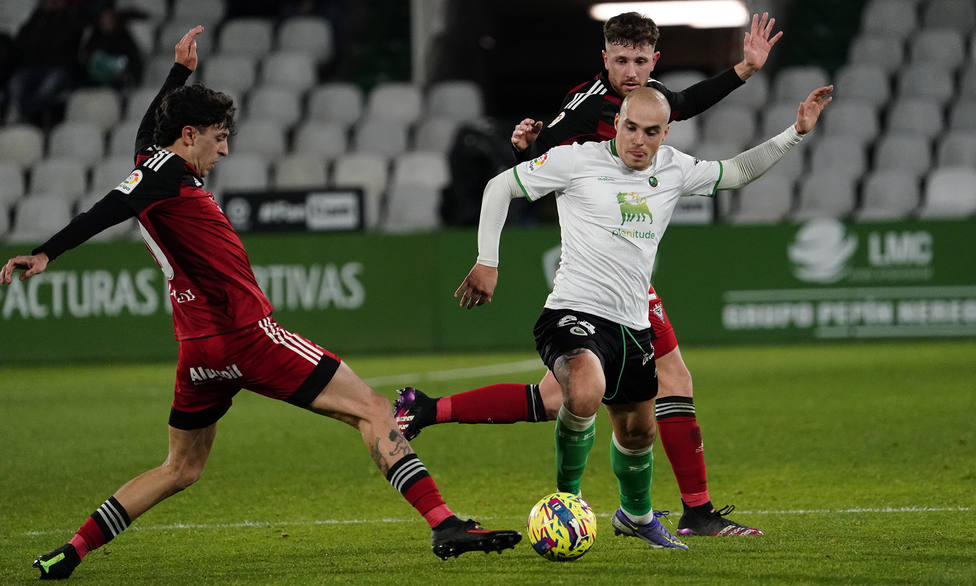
377	406
636	437
675	382
182	475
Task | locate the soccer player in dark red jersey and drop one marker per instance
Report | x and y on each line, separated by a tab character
587	114
228	339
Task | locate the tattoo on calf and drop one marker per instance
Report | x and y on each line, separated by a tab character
401	447
377	455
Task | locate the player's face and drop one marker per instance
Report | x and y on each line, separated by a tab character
208	147
629	68
640	130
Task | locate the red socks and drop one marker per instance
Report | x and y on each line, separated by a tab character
410	477
682	441
499	403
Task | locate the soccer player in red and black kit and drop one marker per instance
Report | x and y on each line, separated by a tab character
223	323
587	114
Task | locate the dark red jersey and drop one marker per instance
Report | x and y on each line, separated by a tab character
211	285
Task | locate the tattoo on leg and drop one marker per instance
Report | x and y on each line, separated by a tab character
401	447
377	455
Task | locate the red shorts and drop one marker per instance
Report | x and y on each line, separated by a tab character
264	358
664	339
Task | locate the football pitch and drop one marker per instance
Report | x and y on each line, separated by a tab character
859	462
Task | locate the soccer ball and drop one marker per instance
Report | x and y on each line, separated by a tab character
561	527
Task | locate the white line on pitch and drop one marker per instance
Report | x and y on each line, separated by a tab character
458	373
244	524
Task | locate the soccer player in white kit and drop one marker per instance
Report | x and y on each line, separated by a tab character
615	199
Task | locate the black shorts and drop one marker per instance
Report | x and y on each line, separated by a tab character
627	355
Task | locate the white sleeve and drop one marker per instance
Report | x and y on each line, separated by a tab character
499	193
749	165
548	173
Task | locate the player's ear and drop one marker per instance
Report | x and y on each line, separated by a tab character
606	63
654	58
189	135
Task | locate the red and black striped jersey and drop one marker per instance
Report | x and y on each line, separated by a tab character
587	112
211	284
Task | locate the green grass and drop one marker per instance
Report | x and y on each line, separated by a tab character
827	448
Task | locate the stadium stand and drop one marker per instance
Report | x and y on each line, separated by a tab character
302	170
338	102
889	194
369	171
22	144
60	176
37	216
907	153
950	192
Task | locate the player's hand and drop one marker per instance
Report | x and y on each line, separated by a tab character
525	133
186	49
31	264
809	111
756	45
478	287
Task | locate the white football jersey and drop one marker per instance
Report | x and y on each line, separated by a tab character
611	220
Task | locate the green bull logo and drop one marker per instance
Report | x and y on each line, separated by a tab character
633	208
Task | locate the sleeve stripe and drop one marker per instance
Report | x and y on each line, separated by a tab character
519	181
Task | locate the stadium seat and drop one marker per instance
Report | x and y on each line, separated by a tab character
950	192
889	195
726	123
11	184
4	220
400	102
22	144
82	141
795	83
955	14
275	104
100	106
684	135
385	137
323	139
839	155
883	51
967	80
753	94
776	116
245	36
412	208
289	69
853	120
928	81
309	34
963	115
153	10
421	168
205	12
110	172
908	153
336	102
458	100
825	194
897	18
435	134
300	171
59	176
241	172
230	72
122	139
369	171
865	82
137	102
944	46
915	115
261	137
126	230
957	149
766	200
38	216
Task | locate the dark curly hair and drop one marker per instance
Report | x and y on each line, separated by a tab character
192	105
631	29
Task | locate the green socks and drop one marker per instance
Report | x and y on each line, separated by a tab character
633	469
574	439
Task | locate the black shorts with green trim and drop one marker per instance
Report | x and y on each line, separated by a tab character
627	355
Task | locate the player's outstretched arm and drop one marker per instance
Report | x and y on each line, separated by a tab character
746	167
756	46
32	265
478	287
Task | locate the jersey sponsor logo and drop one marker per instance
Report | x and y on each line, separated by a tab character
538	162
557	119
821	251
130	182
633	208
658	310
201	374
182	296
